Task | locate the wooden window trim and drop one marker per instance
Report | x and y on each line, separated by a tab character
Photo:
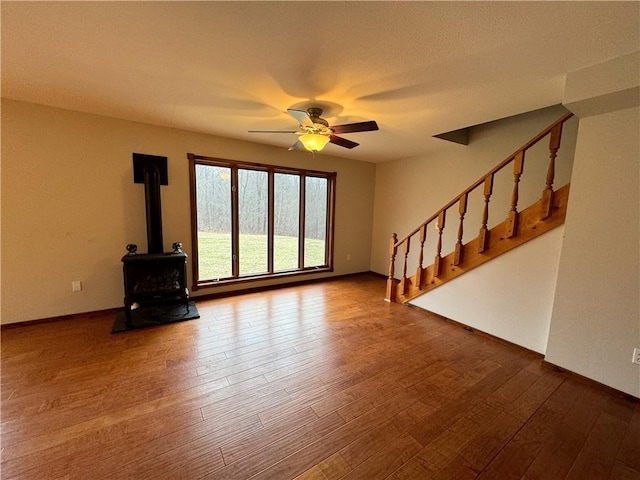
271	170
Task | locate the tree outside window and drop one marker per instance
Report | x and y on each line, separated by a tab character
251	221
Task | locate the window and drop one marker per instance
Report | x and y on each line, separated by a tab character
251	221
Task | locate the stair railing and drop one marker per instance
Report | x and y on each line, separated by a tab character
437	220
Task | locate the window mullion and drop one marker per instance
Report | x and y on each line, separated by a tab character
235	224
270	220
301	215
331	195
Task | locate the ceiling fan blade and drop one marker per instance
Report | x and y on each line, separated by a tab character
301	116
272	131
355	127
297	146
343	142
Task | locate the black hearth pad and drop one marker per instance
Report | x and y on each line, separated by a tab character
153	316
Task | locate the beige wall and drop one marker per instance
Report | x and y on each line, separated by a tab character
69	204
510	297
595	323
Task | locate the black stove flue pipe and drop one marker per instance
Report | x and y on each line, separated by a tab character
152	171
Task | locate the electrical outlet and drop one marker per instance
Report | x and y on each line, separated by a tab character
76	286
348	257
636	356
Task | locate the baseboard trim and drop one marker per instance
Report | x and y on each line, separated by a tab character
264	288
209	296
478	332
61	318
543	363
589	381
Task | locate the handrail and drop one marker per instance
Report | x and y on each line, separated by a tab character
493	171
483	243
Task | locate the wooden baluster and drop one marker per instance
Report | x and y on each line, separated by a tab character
512	217
483	236
403	282
458	256
437	262
420	270
547	193
391	289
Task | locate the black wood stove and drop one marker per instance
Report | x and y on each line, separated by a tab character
154	279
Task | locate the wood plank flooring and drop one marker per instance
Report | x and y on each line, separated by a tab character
321	381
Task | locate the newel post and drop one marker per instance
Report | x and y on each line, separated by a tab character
393	249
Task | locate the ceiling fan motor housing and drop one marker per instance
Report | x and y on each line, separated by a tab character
314	114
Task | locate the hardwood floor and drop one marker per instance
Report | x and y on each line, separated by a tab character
321	381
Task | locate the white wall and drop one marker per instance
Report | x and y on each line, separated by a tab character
510	297
595	324
69	204
602	88
596	315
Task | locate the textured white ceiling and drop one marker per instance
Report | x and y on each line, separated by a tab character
417	68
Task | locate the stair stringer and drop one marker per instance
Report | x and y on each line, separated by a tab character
530	226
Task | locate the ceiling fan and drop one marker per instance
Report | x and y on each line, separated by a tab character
314	132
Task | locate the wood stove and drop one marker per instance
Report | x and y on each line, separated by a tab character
155	278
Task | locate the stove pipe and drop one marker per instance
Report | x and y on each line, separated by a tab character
153	206
152	171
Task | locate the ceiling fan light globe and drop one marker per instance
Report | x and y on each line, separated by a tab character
314	142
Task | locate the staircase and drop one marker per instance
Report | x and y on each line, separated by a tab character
518	227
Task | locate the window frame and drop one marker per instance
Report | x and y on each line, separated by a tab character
234	166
